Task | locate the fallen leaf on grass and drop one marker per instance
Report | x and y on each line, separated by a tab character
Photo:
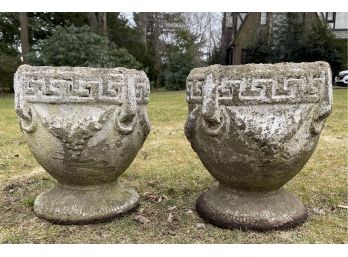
200	225
172	208
318	210
189	212
147	212
171	218
145	154
152	182
150	196
171	232
154	197
141	210
141	219
162	197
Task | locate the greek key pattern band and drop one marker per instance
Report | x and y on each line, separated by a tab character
41	88
246	91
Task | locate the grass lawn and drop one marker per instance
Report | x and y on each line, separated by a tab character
170	177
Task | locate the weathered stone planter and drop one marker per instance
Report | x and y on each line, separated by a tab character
254	127
84	126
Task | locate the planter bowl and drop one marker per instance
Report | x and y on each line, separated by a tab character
84	126
254	127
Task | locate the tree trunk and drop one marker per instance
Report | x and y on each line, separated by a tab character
102	22
223	41
23	19
93	22
210	35
157	50
142	27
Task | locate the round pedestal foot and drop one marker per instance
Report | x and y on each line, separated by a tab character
85	204
228	208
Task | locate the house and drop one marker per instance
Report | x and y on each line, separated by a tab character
239	29
338	22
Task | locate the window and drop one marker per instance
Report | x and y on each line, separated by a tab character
263	19
341	21
229	20
330	16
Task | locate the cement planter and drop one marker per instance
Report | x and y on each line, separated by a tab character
84	126
254	127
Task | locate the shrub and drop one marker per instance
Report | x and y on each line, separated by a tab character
9	62
321	44
78	46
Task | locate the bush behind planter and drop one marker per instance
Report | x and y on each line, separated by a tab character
78	46
9	62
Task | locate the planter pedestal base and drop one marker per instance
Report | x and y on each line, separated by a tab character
85	204
229	208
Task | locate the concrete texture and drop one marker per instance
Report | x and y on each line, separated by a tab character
254	127
84	126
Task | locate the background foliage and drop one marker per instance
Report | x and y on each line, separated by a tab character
292	42
85	48
182	58
165	45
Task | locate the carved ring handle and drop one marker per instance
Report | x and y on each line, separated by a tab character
211	113
323	110
27	121
126	117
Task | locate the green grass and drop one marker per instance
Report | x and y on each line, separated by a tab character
167	166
